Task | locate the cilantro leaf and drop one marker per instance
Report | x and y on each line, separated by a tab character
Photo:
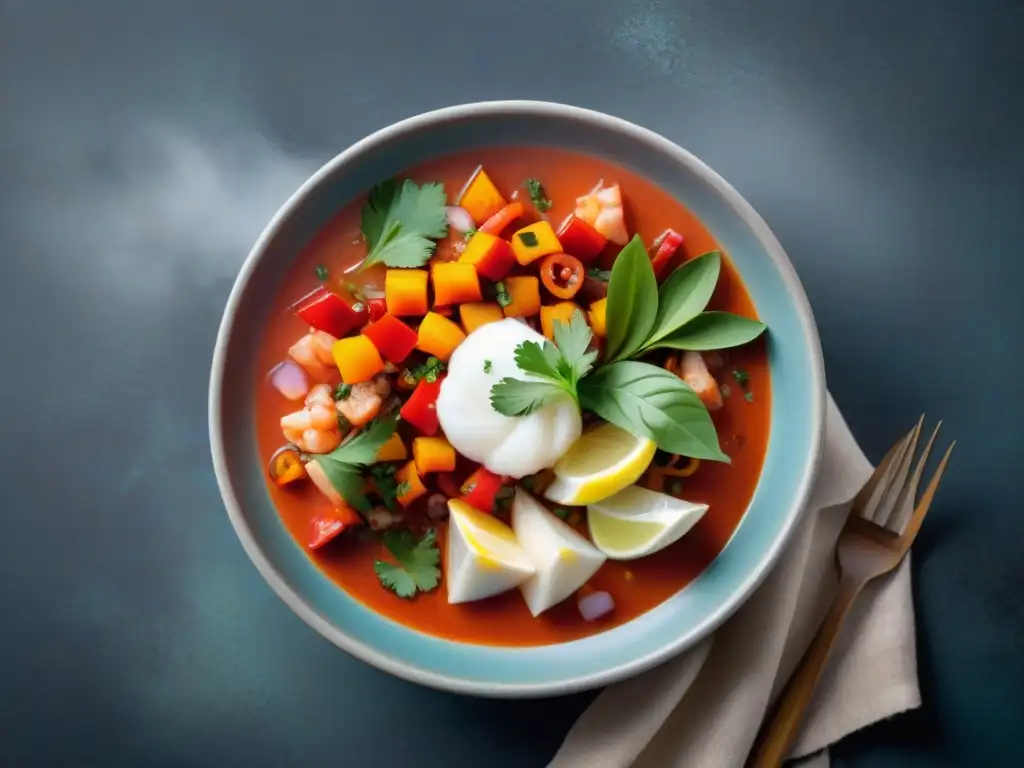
537	195
399	221
343	466
573	340
513	397
539	360
418	561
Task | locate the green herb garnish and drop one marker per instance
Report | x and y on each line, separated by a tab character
741	376
487	366
468	234
561	512
501	294
642	316
342	391
748	396
528	239
383	476
345	464
401	221
600	274
321	273
402	488
559	366
417	569
536	191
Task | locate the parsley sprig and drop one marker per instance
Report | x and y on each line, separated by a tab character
556	370
417	569
401	222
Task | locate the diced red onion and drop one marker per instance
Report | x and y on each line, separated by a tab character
290	380
459	218
595	605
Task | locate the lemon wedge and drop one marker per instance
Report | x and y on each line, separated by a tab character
598	465
564	560
483	558
636	522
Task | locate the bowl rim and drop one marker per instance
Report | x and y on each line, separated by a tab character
672	647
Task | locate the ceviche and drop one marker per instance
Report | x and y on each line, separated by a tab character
516	397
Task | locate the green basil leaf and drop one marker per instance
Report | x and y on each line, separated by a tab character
713	330
651	402
685	294
632	301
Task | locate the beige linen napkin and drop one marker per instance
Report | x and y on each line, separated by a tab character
704	708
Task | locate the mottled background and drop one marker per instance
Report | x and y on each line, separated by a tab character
144	144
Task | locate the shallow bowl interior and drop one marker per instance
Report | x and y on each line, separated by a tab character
796	411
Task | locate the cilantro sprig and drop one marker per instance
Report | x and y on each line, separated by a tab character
401	222
417	569
345	464
556	370
537	195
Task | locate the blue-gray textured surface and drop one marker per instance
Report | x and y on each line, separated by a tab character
142	149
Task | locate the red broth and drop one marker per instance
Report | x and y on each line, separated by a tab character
637	586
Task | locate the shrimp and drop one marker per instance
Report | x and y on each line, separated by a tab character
315	428
602	209
313	352
364	401
694	371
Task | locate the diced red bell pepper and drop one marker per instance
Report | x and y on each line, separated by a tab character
420	409
325	528
579	239
665	247
330	313
377	308
449	485
481	489
392	338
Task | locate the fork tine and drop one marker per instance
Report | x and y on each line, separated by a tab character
881	473
904	506
898	478
914	525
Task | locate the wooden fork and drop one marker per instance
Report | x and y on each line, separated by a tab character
872	543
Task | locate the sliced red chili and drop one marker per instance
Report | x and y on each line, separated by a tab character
579	239
562	275
664	248
330	313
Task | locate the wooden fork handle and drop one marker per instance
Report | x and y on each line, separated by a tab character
777	735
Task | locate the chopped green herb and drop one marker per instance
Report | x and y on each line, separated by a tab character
726	390
537	196
355	290
748	396
528	239
528	482
342	391
487	366
676	488
417	569
468	234
321	273
468	489
383	476
501	294
401	222
561	512
741	376
600	274
402	488
428	371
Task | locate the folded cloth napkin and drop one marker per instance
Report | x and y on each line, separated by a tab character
703	709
